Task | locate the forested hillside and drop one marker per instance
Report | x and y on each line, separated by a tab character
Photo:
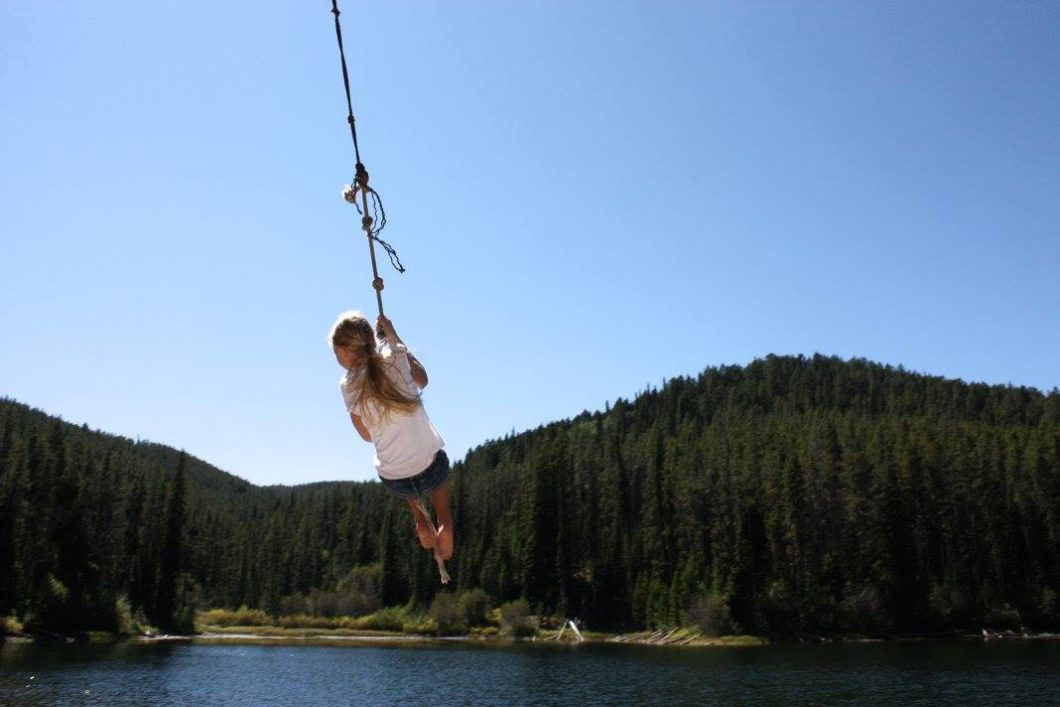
790	496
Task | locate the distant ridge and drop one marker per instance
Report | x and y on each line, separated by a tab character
165	457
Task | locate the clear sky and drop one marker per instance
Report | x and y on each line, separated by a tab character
590	197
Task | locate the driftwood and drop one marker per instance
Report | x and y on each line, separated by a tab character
573	627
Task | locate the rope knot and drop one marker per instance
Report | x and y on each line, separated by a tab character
374	216
362	176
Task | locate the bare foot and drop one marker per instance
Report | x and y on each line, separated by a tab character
424	534
444	543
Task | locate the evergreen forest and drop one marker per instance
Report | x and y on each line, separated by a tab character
793	496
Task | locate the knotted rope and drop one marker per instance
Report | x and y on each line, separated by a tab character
369	206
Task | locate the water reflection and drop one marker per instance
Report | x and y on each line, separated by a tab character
926	673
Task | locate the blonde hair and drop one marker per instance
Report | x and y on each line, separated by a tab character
352	330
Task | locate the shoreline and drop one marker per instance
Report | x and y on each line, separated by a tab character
673	638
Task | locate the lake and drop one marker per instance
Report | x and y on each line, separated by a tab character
955	672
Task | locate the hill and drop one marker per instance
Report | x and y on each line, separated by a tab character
794	495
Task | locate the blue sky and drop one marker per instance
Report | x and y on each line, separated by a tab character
590	197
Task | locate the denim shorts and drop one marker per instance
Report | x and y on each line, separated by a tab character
424	483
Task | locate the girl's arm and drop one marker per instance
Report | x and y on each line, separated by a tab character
419	373
361	429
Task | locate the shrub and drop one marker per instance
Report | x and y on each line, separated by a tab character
10	626
474	607
123	616
357	594
320	603
241	617
1003	618
359	590
447	614
306	621
710	612
517	619
392	618
420	624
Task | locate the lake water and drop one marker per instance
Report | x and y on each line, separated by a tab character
1014	672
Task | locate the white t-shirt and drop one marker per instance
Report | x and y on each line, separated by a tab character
405	445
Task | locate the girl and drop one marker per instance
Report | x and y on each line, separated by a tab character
381	390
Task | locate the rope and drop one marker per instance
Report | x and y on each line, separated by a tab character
370	207
373	220
422	507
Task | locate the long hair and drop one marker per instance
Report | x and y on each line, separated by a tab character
353	331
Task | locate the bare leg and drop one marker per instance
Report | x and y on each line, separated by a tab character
440	499
422	532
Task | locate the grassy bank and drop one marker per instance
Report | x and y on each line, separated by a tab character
508	622
467	616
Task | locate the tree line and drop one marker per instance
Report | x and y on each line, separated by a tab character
792	496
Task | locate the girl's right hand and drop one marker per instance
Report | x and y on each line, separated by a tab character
386	326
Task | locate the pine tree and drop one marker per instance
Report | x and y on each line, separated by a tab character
168	598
